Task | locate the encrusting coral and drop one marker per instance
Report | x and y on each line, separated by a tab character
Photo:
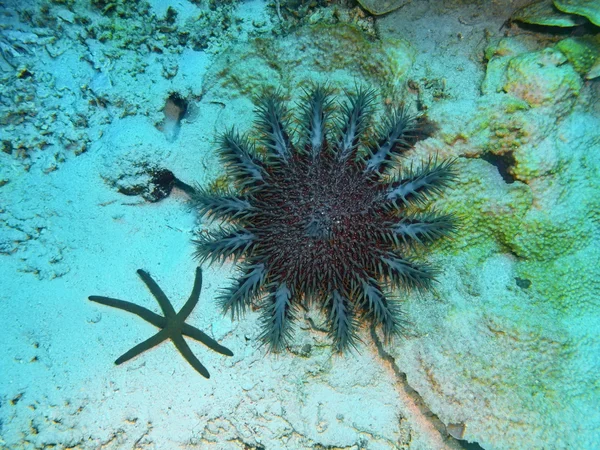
323	219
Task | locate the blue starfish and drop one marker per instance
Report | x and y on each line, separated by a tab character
172	325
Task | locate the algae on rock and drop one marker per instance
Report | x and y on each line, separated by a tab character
316	53
543	79
521	280
559	13
583	53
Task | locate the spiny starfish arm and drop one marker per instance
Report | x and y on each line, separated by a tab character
144	313
395	323
157	292
371	298
277	318
201	336
235	151
385	311
237	298
191	303
403	273
397	129
272	122
421	228
153	341
221	205
219	245
316	110
186	352
417	186
355	117
342	323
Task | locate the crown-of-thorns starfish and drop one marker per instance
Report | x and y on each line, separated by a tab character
328	216
172	325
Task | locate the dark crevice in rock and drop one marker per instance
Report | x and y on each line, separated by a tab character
503	163
523	283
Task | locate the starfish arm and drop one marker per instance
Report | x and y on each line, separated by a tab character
201	336
160	296
194	297
143	346
186	352
172	326
144	313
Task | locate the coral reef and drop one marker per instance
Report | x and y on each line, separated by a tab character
559	13
100	58
583	53
583	48
265	62
586	8
322	220
522	283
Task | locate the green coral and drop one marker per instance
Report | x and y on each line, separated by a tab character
494	211
548	235
328	53
567	284
499	54
546	217
586	8
581	52
545	13
549	222
543	79
559	13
